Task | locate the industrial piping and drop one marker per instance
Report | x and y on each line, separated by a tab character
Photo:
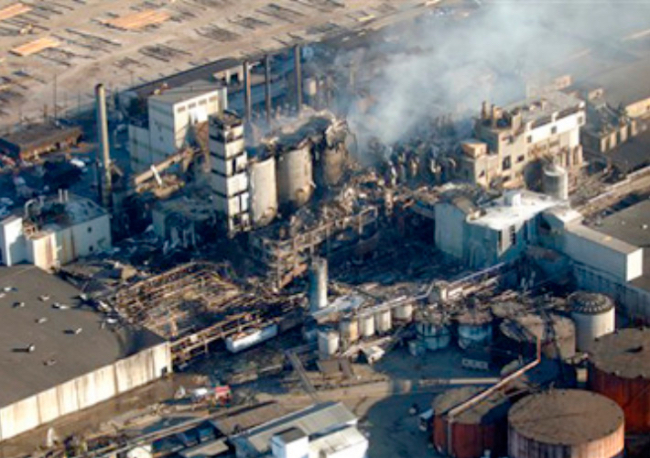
106	185
247	92
267	88
298	75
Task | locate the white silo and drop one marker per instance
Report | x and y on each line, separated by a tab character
556	182
594	315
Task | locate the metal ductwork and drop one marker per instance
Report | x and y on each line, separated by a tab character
106	185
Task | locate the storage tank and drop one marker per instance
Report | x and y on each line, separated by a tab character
263	191
556	182
328	341
349	328
619	368
403	312
556	335
433	330
383	321
333	164
367	325
566	423
481	427
295	176
509	309
594	316
474	329
318	284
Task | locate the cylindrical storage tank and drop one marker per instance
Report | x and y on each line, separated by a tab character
264	194
619	368
556	182
333	164
403	312
481	427
328	342
383	321
433	330
474	329
318	284
566	423
295	176
349	328
556	335
367	325
594	316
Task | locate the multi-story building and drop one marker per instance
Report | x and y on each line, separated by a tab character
511	143
171	121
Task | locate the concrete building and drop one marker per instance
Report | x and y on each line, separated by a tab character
171	121
59	361
54	232
229	170
498	231
511	142
326	430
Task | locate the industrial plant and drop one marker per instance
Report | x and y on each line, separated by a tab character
324	229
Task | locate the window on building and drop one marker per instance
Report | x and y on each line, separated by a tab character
513	235
91	248
482	174
507	163
553	130
529	139
192	105
203	102
213	98
90	229
581	120
521	158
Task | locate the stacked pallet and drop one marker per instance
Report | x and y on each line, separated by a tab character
138	20
13	10
36	46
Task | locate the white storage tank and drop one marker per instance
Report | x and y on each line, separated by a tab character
383	321
474	329
403	312
433	330
367	325
349	328
295	176
594	316
556	182
328	341
263	191
250	337
318	284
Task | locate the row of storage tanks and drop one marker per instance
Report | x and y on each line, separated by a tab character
288	177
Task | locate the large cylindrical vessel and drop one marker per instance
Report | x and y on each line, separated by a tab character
367	325
349	328
318	284
433	330
383	321
594	316
333	164
328	342
403	312
566	423
471	432
474	329
295	176
619	368
556	182
555	333
264	194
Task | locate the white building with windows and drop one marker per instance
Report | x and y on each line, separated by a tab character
171	121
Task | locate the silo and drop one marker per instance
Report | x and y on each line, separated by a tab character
367	325
556	182
619	368
474	329
433	330
295	176
566	423
403	312
318	284
383	321
556	335
349	328
472	431
333	164
328	342
594	316
264	194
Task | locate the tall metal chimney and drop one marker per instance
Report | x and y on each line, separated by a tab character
298	75
267	87
106	184
248	107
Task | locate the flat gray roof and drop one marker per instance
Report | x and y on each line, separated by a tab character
23	374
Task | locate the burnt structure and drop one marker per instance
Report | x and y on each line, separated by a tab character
30	143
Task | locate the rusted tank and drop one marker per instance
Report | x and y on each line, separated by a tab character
555	333
469	434
566	423
619	368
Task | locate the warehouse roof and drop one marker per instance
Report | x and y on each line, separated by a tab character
38	136
186	92
565	417
29	316
315	419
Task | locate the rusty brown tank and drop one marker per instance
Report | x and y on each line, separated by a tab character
479	428
620	369
566	423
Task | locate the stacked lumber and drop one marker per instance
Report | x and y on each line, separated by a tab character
13	10
138	20
36	46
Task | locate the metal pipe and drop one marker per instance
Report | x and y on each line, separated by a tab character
298	75
106	184
248	104
267	87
